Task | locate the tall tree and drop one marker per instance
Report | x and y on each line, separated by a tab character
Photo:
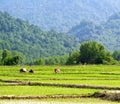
6	54
8	59
92	53
73	58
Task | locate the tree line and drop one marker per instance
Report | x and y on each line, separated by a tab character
90	52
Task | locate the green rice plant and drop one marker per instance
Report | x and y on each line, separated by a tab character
89	74
96	75
42	91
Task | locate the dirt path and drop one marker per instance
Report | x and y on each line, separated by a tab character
19	83
104	95
41	97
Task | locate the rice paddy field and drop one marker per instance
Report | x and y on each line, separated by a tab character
73	84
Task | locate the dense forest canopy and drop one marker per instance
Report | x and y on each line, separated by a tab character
60	14
30	41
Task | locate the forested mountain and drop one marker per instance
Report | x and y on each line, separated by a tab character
60	14
31	41
107	33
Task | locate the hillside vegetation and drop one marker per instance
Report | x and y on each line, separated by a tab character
107	33
30	41
60	14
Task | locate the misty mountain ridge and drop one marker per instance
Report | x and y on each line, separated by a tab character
60	15
107	33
